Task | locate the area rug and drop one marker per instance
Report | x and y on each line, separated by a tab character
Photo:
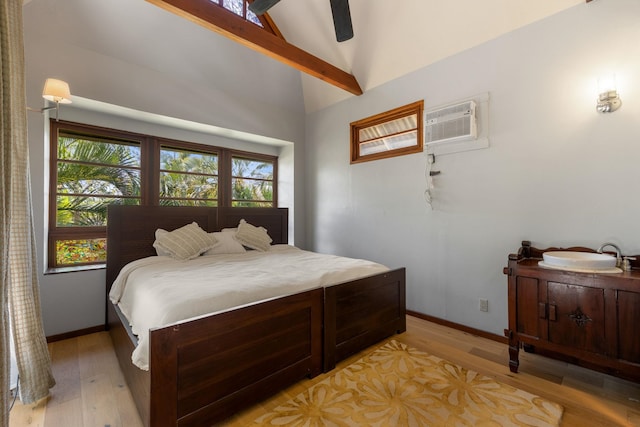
397	385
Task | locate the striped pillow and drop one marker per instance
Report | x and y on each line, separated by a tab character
253	237
186	242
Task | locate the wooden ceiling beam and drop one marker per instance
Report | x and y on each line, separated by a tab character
221	21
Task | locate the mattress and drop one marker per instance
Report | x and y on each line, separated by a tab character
158	291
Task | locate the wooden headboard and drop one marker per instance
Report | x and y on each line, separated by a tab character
131	229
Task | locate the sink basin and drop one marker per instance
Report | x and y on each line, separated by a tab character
579	261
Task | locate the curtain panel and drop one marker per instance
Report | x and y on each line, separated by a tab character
19	296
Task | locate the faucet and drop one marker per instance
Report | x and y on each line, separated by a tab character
618	252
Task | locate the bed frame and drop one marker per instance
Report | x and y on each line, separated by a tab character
206	369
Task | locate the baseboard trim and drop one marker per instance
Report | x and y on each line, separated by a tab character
458	326
74	334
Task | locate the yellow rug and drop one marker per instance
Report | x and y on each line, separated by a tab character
397	385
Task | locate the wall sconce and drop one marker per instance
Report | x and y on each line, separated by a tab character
608	99
55	91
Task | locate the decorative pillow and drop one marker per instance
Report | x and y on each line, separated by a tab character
253	237
159	250
227	244
185	243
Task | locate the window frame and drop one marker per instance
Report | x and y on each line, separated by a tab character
408	110
150	148
56	232
249	156
163	143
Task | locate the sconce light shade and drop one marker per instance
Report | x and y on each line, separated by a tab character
57	91
608	99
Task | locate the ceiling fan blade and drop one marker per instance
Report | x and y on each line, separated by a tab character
342	19
261	6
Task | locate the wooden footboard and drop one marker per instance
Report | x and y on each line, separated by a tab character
360	313
204	370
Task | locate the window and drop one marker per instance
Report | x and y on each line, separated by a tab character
252	182
392	133
93	167
241	8
88	174
188	178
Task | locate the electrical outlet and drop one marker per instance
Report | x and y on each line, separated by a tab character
484	304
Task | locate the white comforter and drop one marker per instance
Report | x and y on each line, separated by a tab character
158	291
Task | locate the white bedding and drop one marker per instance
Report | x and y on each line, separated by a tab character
158	291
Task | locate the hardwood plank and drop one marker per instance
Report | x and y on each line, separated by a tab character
127	410
103	385
65	371
99	402
67	413
28	415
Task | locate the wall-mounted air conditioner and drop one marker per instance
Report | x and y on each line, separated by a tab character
452	123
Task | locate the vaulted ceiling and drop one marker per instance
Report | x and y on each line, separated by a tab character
393	38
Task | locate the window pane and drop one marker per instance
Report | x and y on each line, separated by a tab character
95	151
389	128
89	170
188	161
235	6
70	252
408	139
188	202
252	189
251	17
252	204
86	211
247	168
188	186
77	178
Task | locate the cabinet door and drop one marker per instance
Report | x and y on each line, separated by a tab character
529	320
628	319
576	316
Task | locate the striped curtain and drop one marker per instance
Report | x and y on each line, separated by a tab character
19	296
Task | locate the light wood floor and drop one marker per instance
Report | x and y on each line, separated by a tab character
91	392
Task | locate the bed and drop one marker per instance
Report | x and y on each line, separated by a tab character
207	368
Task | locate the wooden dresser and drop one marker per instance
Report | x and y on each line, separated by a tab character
592	320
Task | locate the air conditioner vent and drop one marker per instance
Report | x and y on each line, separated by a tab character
452	123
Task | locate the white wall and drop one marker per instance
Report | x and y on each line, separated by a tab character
135	55
556	172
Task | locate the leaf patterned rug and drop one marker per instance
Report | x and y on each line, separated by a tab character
397	385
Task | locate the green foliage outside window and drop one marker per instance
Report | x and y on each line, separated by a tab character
70	252
252	183
91	175
94	170
188	178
